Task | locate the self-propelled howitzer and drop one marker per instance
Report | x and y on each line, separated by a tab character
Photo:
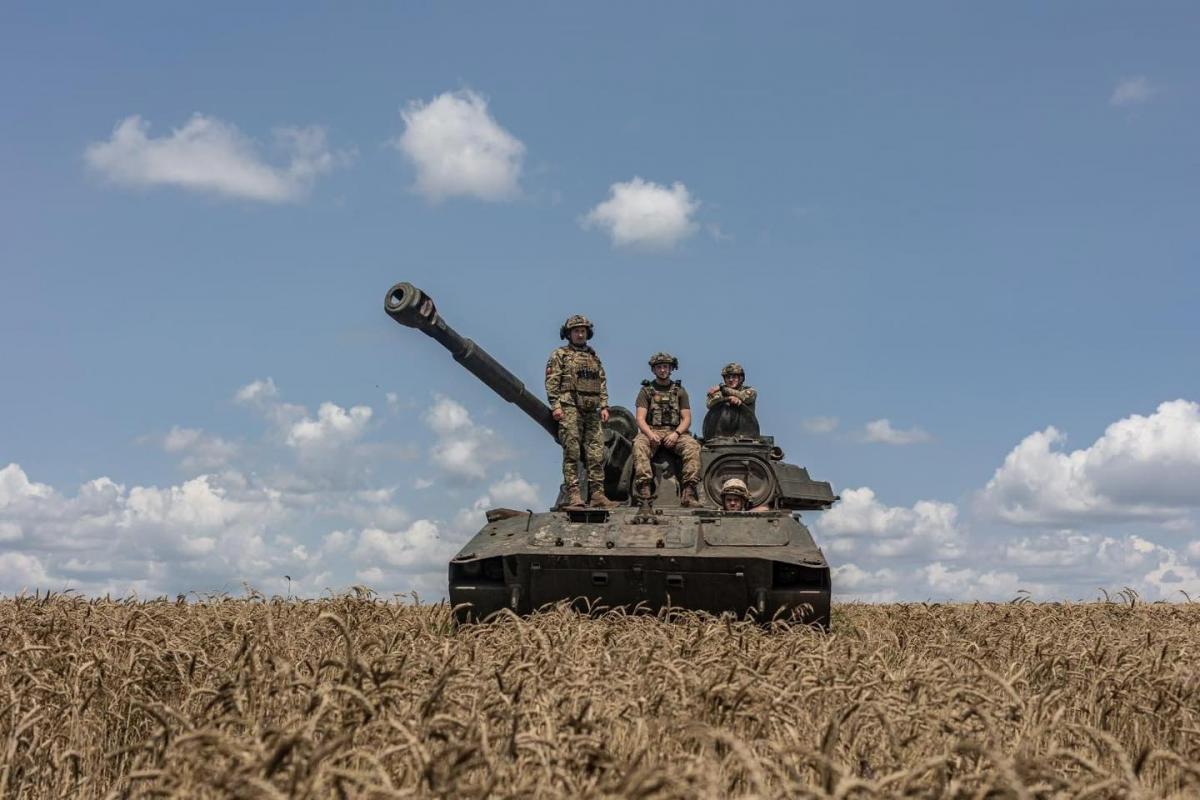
762	562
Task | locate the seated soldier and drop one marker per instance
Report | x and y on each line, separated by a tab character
664	415
731	406
732	390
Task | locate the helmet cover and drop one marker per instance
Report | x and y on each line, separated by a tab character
733	368
735	486
576	321
664	358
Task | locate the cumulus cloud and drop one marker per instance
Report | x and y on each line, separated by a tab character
1143	467
820	424
208	155
969	584
458	148
200	450
463	449
1132	91
511	491
881	431
332	427
860	525
643	214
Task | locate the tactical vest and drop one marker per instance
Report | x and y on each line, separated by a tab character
581	379
663	410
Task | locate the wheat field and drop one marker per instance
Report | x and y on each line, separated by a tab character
361	697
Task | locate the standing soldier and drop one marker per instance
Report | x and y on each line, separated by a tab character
732	389
578	395
664	415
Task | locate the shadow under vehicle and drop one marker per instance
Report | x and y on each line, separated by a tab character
761	563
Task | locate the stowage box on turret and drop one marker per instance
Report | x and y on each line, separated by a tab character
762	563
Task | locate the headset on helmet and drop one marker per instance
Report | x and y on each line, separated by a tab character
733	368
664	358
575	321
735	486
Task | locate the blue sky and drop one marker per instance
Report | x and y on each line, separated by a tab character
974	224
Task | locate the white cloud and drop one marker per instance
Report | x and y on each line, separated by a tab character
463	449
513	490
851	582
20	571
820	424
416	548
201	451
970	584
1143	467
859	525
334	426
209	155
646	215
459	149
881	431
1132	91
16	486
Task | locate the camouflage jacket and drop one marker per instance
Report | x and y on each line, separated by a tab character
575	377
747	394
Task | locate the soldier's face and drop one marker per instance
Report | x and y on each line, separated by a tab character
733	381
578	335
734	502
662	371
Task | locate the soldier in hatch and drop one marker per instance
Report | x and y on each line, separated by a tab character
734	495
733	389
664	415
578	395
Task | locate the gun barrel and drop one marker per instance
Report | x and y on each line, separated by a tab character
412	308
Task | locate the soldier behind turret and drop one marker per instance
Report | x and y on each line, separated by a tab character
578	393
733	389
664	415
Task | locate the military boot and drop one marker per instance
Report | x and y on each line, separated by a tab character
600	500
642	492
688	498
573	500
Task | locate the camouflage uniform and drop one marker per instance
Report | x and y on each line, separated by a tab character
575	383
663	404
721	394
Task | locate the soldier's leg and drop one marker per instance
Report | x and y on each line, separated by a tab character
593	452
642	451
689	450
569	437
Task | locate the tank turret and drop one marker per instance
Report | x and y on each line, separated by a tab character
762	562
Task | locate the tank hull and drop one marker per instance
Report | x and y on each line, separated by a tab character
760	565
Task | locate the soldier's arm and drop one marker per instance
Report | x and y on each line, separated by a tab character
749	395
603	385
685	421
714	397
554	368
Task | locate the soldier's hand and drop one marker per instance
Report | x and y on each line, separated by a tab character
654	439
604	415
734	400
557	413
671	439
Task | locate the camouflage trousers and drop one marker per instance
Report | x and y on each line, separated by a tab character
686	446
582	437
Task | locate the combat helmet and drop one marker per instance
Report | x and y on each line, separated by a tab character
664	358
735	486
576	321
733	368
